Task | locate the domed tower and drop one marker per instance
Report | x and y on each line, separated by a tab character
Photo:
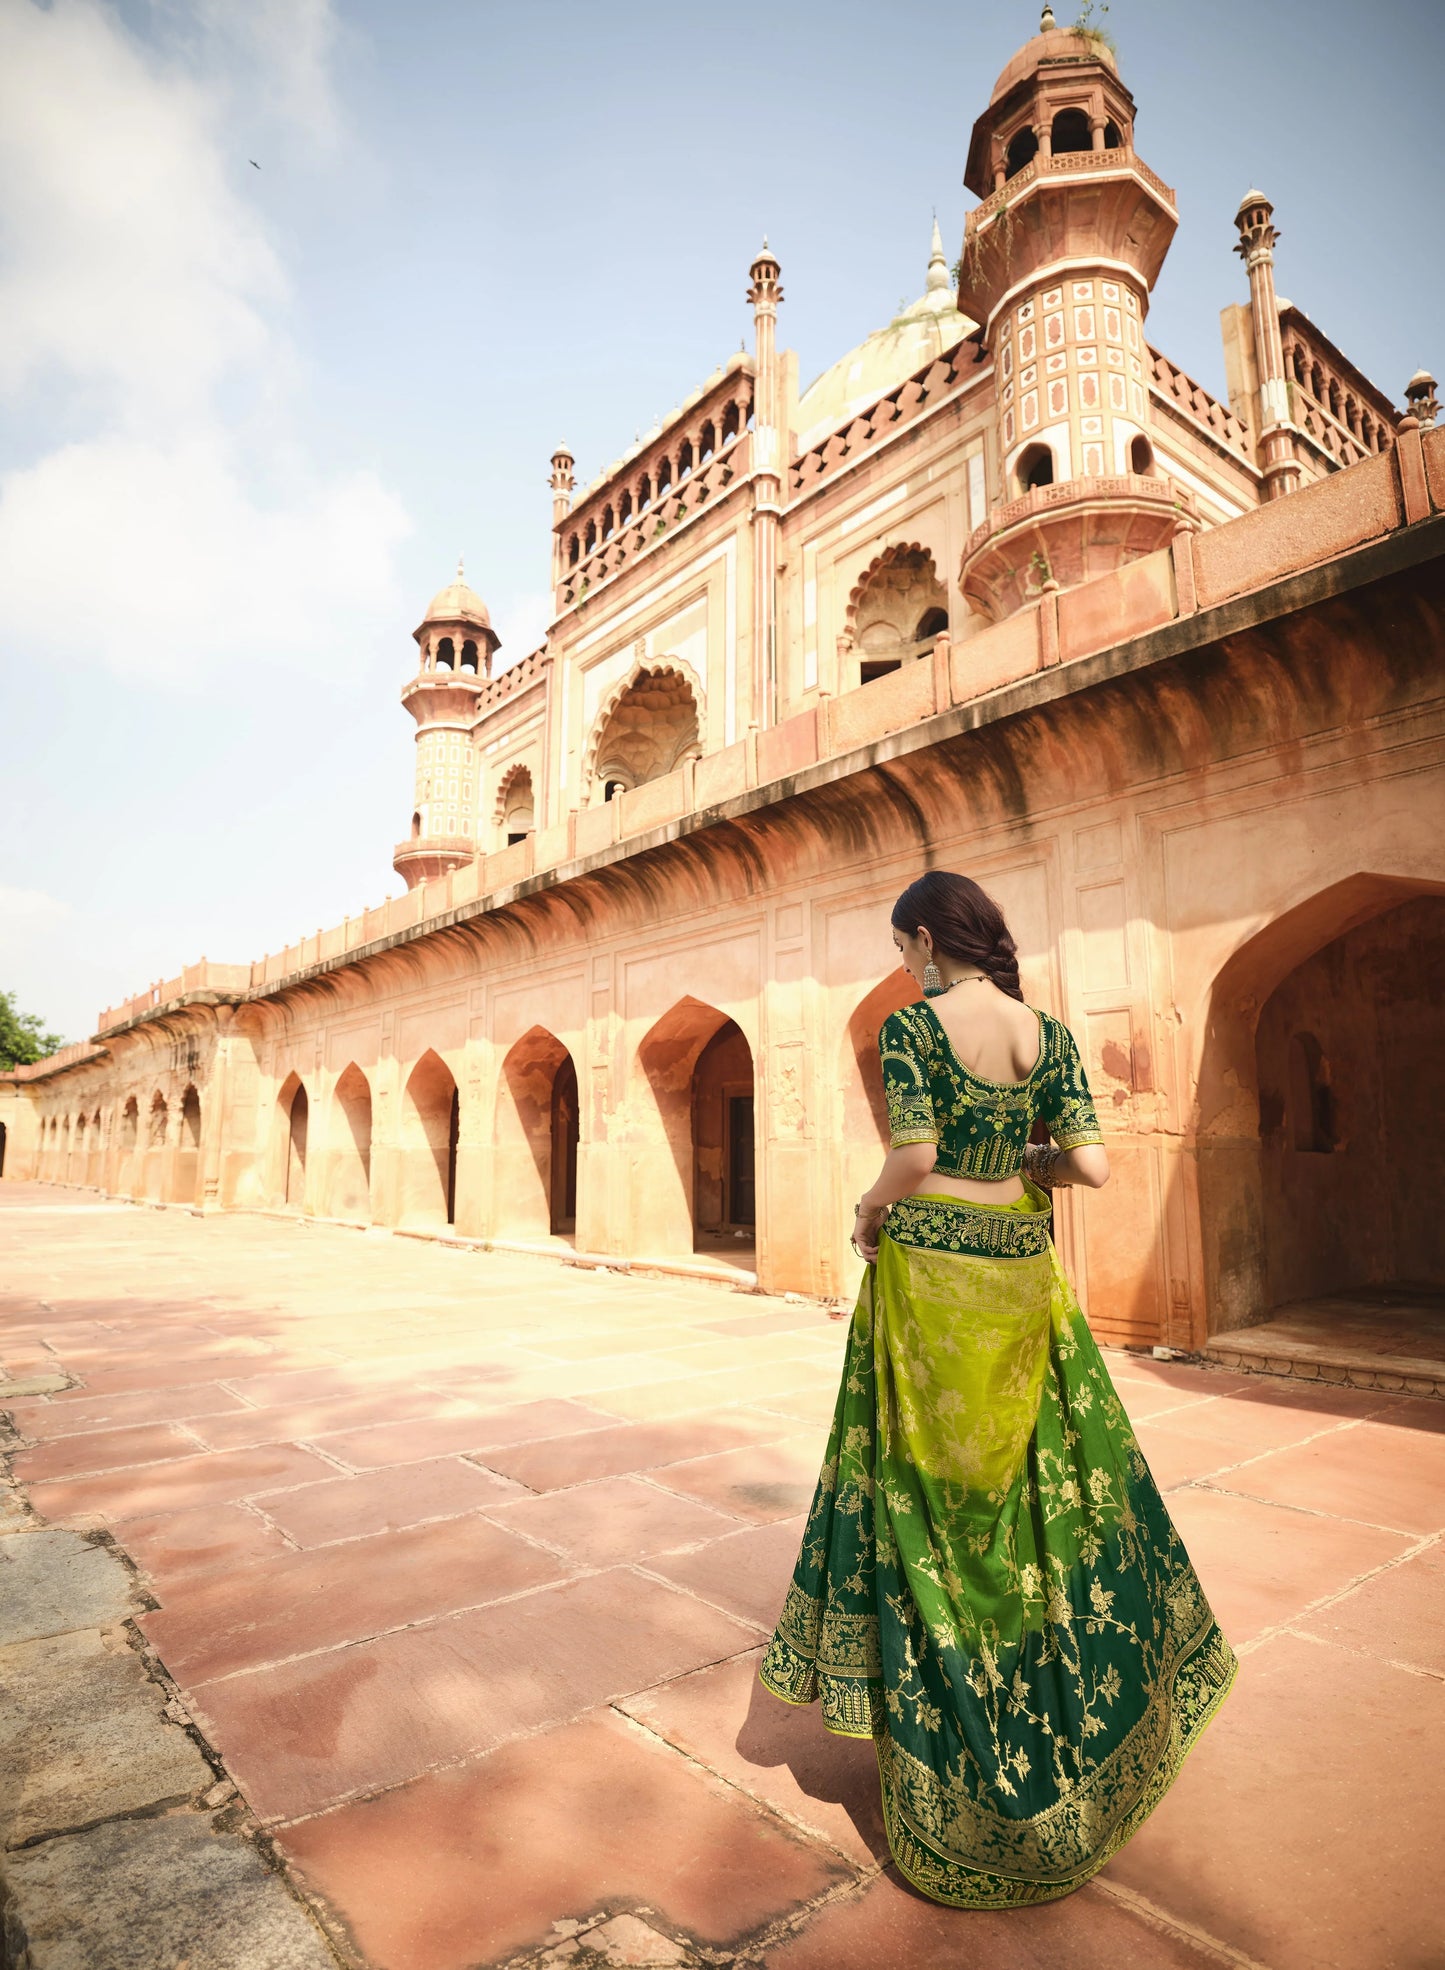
1058	262
456	642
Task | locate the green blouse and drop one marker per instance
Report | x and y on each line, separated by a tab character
980	1126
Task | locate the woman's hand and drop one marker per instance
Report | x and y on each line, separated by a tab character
866	1226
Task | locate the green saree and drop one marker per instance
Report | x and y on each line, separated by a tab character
989	1584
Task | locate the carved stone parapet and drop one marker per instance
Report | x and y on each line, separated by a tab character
1068	534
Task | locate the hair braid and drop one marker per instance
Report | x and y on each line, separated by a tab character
964	923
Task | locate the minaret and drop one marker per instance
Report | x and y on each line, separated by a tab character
765	293
1057	267
563	482
456	644
1257	238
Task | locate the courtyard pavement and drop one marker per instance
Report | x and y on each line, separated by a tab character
463	1562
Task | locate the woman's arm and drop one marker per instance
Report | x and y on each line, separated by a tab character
1086	1165
903	1170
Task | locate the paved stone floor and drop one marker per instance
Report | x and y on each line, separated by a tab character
463	1562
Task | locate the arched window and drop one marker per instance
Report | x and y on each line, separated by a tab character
731	424
684	460
1297	362
469	656
647	729
574	551
1071	131
1113	136
1035	467
664	476
934	623
516	806
589	539
1023	148
609	524
624	509
706	444
446	654
1141	457
612	788
1310	1099
644	494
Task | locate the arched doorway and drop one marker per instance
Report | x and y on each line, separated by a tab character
865	1112
96	1171
1322	1050
1350	1054
535	1164
128	1147
431	1114
157	1128
349	1189
694	1170
295	1107
188	1149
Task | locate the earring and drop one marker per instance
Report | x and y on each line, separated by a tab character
932	980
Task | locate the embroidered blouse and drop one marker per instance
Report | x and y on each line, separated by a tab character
980	1126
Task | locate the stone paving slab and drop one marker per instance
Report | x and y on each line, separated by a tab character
577	1767
83	1737
154	1894
52	1582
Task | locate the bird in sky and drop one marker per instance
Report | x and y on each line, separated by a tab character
252	161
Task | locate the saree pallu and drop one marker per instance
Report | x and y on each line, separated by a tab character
989	1584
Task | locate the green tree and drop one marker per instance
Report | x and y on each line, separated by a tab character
22	1037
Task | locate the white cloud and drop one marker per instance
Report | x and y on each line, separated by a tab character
142	302
28	906
186	572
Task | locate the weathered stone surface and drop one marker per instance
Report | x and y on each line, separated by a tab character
33	1385
152	1895
83	1737
54	1582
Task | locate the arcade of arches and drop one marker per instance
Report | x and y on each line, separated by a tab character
666	1054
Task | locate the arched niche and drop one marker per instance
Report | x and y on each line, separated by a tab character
689	1156
647	728
185	1177
534	1168
430	1129
896	608
348	1189
293	1114
1240	1108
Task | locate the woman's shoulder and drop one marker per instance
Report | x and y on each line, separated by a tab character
1059	1043
909	1023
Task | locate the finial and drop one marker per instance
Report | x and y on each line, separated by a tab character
1047	23
461	575
938	280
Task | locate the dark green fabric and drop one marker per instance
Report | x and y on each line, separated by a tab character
990	1586
980	1126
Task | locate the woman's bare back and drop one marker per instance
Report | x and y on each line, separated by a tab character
995	1037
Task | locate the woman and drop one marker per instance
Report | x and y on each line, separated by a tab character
989	1585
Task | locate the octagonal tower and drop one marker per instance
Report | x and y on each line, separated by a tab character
456	644
1057	267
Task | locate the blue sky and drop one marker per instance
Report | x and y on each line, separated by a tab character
249	417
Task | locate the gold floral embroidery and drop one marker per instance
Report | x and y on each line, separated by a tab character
980	1126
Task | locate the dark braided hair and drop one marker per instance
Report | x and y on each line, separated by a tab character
965	925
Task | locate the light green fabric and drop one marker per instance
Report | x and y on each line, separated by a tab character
989	1584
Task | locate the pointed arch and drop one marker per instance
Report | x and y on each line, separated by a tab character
687	1137
896	607
293	1110
646	727
348	1190
430	1131
536	1131
515	813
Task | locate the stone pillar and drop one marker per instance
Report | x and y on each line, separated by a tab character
1257	238
765	294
